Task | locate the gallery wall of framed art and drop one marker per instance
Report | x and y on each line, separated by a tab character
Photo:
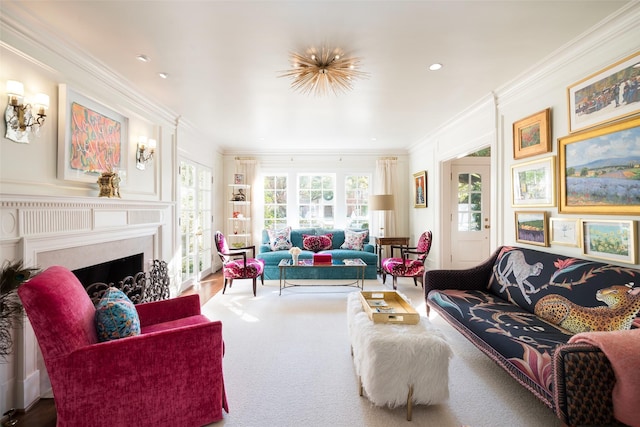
597	171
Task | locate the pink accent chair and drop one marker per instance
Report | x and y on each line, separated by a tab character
170	374
410	263
237	265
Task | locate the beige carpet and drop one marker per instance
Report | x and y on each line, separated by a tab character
288	363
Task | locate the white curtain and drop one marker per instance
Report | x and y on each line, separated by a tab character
250	168
386	182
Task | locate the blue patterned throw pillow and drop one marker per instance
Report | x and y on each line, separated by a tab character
116	316
280	240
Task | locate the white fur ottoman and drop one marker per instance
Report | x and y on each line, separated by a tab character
398	364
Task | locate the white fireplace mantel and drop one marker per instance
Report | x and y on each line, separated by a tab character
75	232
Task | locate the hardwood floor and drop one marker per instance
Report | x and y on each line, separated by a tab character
43	413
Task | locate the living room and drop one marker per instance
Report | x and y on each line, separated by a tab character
45	212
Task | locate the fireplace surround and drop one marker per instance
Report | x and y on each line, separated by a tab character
74	232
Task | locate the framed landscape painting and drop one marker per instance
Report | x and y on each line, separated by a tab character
607	95
610	240
91	137
532	135
600	170
531	227
533	183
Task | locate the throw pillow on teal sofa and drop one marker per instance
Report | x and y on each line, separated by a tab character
272	258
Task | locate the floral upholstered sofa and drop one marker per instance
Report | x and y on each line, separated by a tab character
522	307
341	244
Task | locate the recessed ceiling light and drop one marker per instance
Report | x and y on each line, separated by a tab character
143	58
435	67
374	139
164	75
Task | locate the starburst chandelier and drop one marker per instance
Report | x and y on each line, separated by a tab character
319	72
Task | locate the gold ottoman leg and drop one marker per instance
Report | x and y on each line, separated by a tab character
409	402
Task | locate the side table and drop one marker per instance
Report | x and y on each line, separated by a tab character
379	242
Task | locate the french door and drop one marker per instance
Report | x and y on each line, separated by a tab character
195	221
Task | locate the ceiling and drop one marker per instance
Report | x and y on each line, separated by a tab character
224	57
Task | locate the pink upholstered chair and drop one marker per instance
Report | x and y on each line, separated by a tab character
410	263
237	264
169	374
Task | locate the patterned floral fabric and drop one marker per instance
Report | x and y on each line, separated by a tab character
424	245
116	316
525	283
280	240
521	337
410	267
354	240
236	268
222	245
317	243
531	279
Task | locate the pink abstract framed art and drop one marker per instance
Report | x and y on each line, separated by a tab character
91	138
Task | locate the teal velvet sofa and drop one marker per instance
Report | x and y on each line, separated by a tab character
272	258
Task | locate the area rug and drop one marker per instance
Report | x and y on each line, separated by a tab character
288	363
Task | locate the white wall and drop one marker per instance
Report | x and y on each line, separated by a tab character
490	122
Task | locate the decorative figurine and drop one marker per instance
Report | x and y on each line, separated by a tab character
109	183
239	196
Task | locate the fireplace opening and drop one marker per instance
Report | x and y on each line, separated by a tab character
111	271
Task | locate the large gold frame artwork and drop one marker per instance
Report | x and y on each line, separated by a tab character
598	170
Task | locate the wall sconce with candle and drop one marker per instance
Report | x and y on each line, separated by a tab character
21	120
145	151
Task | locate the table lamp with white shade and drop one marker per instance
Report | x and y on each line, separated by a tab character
381	203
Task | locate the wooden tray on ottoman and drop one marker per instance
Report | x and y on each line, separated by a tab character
388	307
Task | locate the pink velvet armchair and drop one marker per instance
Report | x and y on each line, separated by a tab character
170	374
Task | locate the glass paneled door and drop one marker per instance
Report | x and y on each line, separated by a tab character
470	212
195	221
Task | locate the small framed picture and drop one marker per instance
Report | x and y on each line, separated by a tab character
531	227
238	179
612	240
565	231
532	135
533	184
420	189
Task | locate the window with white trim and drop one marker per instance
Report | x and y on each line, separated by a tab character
316	200
356	190
275	201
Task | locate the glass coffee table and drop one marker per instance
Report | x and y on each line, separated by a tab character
286	265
